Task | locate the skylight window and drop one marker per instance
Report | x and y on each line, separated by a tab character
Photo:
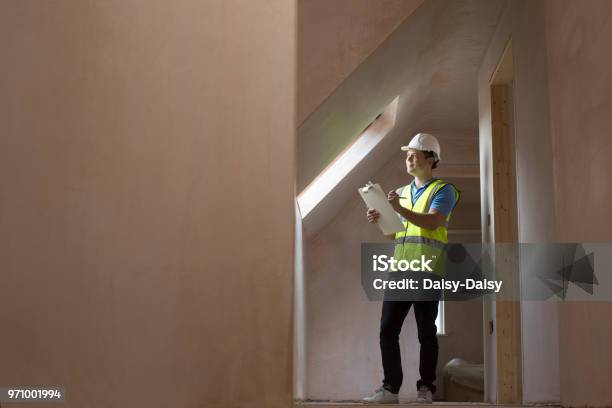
333	174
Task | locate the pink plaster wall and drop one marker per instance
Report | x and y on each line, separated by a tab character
146	200
335	36
580	61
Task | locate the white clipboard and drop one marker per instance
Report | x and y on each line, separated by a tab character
374	197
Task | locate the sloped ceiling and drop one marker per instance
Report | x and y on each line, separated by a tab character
335	36
430	61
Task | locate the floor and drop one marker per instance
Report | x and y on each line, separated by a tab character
414	404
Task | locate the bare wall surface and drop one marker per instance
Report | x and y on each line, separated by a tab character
579	60
335	36
140	143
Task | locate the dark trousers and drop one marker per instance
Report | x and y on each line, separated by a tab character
391	320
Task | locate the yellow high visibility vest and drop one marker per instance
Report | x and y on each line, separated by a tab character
414	241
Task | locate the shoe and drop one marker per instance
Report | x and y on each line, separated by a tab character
424	395
382	396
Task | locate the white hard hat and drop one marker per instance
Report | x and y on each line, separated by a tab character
424	142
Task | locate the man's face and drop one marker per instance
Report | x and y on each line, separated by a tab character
416	162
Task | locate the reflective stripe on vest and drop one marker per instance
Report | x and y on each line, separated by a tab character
420	240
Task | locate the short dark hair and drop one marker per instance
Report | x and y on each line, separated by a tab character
430	153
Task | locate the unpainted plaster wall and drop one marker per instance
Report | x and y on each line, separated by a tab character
147	185
580	89
335	36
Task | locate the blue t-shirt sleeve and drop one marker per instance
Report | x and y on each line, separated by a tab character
444	200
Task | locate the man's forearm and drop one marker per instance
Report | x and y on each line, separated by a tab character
427	221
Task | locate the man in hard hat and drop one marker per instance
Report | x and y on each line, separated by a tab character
425	207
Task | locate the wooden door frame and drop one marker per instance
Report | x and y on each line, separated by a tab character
505	230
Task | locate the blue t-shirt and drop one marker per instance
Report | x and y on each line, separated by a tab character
443	200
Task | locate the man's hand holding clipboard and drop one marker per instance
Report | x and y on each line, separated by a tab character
382	208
